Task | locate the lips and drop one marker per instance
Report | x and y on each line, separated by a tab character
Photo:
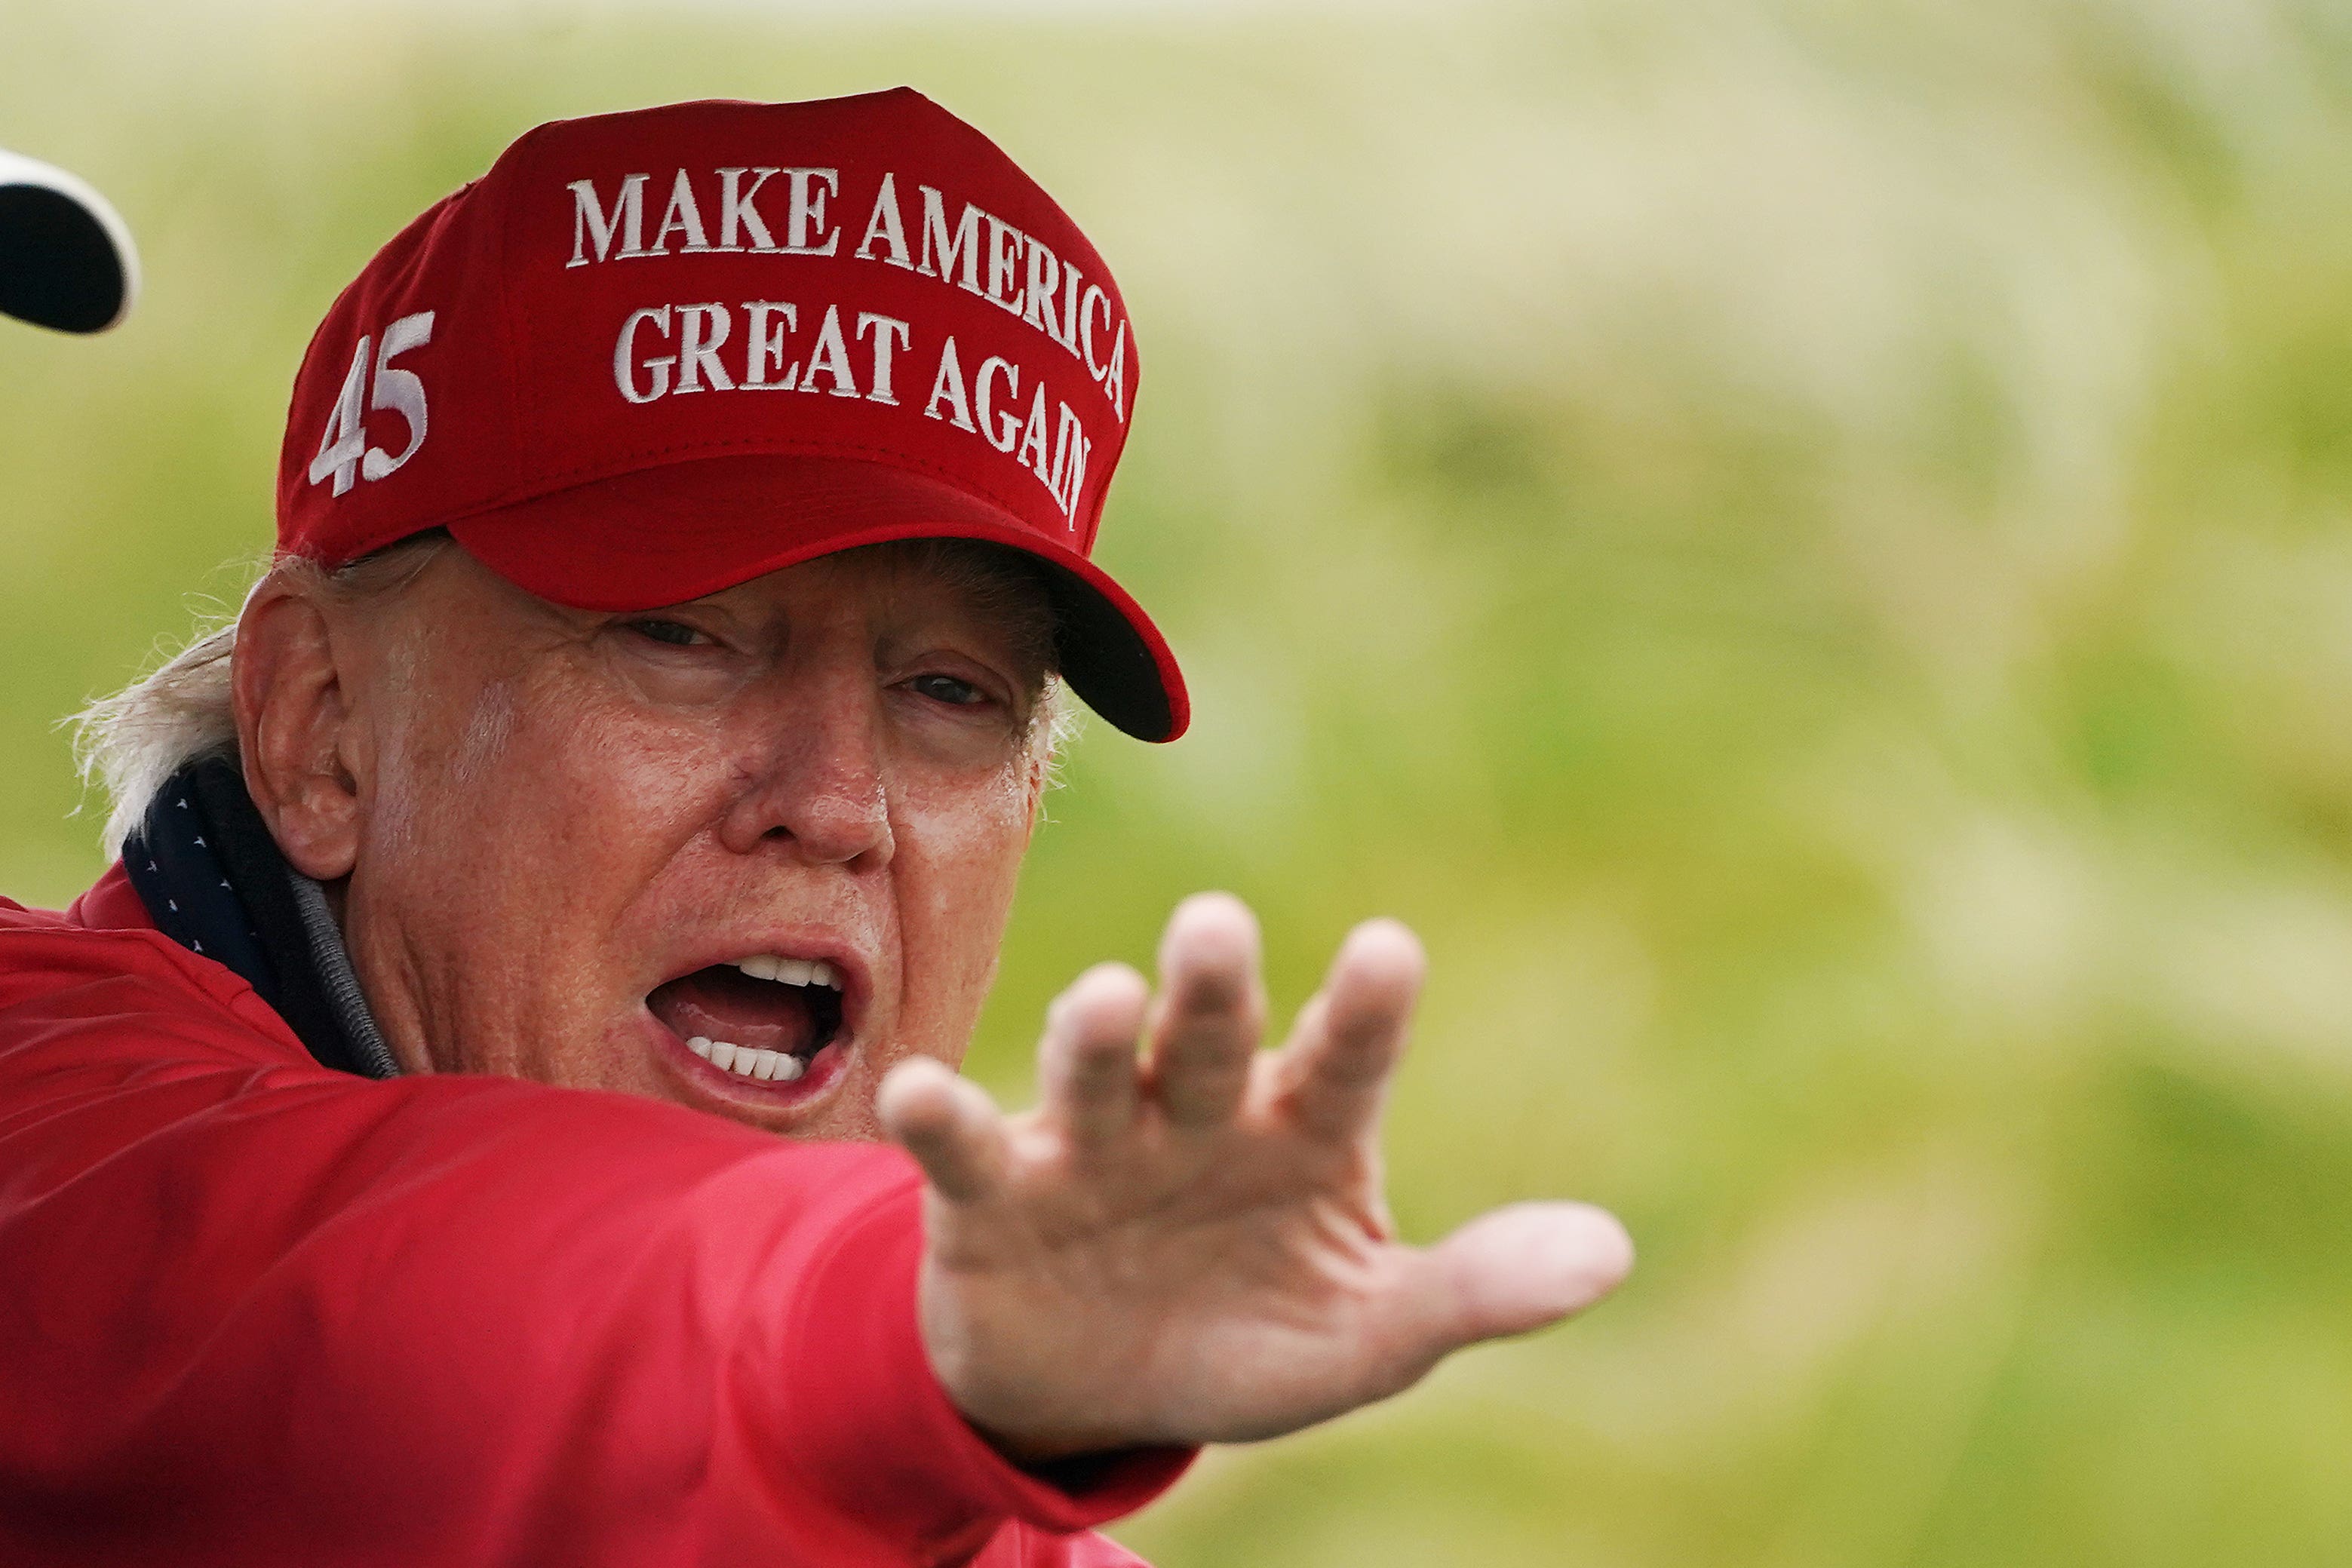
763	1018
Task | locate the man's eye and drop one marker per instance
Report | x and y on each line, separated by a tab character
673	632
948	689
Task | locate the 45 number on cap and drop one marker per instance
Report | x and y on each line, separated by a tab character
343	450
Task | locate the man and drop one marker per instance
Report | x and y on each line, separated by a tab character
684	531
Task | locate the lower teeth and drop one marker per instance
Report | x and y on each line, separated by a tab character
745	1062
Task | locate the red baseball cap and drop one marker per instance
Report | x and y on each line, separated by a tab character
650	355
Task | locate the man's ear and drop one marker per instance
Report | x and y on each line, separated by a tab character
294	729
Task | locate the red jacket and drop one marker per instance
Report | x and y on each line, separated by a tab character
253	1312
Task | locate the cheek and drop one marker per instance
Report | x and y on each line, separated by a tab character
531	814
960	852
554	763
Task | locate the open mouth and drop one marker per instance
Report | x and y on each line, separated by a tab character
764	1017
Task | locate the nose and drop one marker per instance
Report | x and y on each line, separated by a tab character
817	784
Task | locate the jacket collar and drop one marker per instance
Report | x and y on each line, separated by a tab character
213	879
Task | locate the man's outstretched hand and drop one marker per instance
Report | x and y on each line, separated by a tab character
1190	1244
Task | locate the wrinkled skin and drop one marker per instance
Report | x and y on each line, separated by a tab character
537	815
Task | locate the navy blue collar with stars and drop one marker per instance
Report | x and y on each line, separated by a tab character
213	879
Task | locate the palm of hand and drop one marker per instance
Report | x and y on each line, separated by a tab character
1192	1246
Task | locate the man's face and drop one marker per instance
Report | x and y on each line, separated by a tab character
574	827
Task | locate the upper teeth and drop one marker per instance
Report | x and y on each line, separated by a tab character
791	971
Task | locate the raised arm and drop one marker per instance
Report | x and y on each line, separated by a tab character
254	1313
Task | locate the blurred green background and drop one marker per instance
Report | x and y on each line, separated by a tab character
1806	545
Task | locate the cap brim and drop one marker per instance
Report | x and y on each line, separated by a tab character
66	259
666	535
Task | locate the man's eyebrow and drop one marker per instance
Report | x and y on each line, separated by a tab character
991	583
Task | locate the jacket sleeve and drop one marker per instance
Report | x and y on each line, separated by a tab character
258	1312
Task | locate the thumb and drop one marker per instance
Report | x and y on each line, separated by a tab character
1519	1267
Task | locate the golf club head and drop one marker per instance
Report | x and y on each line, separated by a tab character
66	257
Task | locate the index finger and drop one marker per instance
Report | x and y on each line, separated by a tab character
1335	1070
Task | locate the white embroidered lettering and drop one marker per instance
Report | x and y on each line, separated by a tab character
681	216
949	385
1094	296
1115	374
1032	435
1045	282
398	392
964	243
1070	448
626	364
1004	262
736	212
1066	330
698	353
831	357
806	215
886	329
1007	432
344	453
885	225
340	448
764	349
591	224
